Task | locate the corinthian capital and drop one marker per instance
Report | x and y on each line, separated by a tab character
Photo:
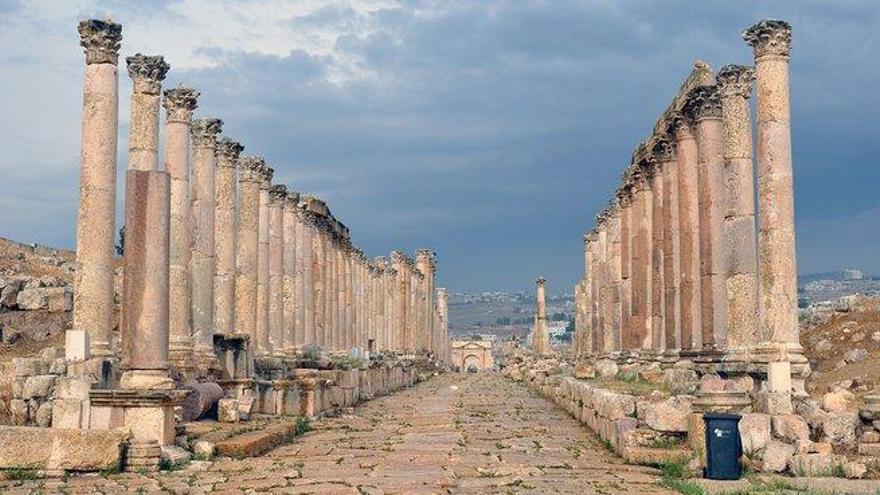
147	72
205	130
541	281
277	195
180	102
292	201
101	40
664	150
736	80
769	37
266	174
228	152
703	102
251	169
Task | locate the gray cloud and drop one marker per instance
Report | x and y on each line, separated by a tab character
489	131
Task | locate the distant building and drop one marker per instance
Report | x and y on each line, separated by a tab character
849	274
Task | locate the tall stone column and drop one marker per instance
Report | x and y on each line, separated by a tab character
689	252
624	199
540	335
425	264
658	339
145	287
228	152
595	295
291	302
307	289
704	110
179	104
247	247
443	319
641	262
400	299
391	308
277	199
613	342
735	84
665	154
93	316
319	275
147	73
204	134
589	284
332	332
771	42
602	279
264	344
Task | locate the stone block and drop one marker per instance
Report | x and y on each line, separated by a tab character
779	377
670	415
76	345
69	413
52	449
39	386
43	416
204	450
59	299
854	470
777	456
32	299
73	387
681	380
246	407
790	428
58	366
613	406
23	367
754	428
151	423
774	402
869	449
19	412
228	410
174	456
814	464
606	368
839	428
839	400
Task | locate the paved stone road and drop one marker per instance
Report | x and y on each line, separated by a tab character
464	434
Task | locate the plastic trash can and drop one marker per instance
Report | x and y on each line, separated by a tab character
723	446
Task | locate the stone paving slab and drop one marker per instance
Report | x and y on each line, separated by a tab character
455	434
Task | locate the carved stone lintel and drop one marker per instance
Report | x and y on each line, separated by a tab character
277	195
228	151
101	40
736	80
205	130
251	169
147	72
180	102
769	37
703	102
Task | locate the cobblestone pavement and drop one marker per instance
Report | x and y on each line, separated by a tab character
465	434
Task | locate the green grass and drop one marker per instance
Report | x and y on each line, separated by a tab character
303	425
22	474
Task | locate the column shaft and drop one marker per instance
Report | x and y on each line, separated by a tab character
688	207
225	235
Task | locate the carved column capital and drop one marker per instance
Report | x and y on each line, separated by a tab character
101	40
266	174
277	195
703	102
679	127
205	130
769	37
228	152
736	80
541	281
291	202
251	169
180	102
147	72
664	150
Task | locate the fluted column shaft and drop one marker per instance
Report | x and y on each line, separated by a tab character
290	303
277	199
93	293
307	289
264	345
319	275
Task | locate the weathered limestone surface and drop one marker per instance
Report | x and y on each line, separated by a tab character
540	333
52	449
96	217
225	242
147	73
277	199
290	302
262	309
247	241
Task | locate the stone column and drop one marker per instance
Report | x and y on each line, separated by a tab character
602	282
277	199
228	152
319	274
93	316
771	41
689	253
624	199
425	264
147	73
331	335
540	337
655	239
247	247
735	83
400	299
204	134
613	342
594	257
589	316
664	151
179	104
290	297
307	289
145	287
264	344
704	110
442	319
641	263
391	308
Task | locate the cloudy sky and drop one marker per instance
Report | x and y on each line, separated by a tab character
489	131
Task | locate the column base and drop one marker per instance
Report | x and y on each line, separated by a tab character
143	457
146	380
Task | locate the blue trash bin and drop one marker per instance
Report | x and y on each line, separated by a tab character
723	446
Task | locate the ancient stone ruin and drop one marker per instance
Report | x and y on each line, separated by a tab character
239	298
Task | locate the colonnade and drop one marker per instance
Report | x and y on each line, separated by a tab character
679	265
215	249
